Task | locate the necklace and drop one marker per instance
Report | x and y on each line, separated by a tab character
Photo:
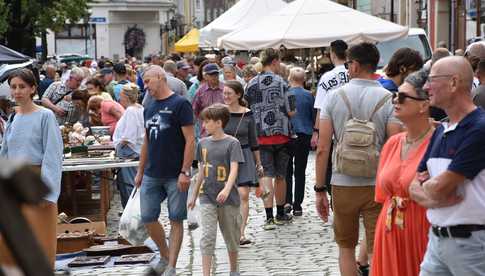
421	136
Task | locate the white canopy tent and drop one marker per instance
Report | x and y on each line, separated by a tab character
242	14
311	24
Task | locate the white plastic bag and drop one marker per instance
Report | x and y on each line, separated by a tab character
193	218
131	227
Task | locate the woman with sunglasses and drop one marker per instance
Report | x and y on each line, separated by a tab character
401	229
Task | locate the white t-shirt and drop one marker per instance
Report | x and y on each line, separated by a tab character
131	128
329	81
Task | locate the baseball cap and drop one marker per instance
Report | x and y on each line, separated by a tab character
182	65
228	60
119	68
211	69
106	71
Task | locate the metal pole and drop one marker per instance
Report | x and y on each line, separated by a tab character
479	15
453	25
392	11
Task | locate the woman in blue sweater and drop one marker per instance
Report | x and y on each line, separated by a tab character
32	135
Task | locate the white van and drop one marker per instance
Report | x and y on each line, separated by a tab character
416	39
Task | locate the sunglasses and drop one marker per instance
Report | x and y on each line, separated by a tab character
347	64
401	97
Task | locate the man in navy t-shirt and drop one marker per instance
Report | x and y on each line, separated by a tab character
165	161
451	177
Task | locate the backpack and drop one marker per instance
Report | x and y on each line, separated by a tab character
356	153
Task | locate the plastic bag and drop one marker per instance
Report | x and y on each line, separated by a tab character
131	227
193	217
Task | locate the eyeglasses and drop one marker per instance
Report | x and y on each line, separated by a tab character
434	77
347	64
400	97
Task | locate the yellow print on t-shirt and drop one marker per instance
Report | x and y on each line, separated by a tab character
221	172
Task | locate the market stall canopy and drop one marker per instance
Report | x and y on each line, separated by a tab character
241	15
311	24
188	43
9	56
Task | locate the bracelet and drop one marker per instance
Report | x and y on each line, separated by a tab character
319	189
315	130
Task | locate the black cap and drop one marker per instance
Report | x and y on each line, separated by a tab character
119	68
106	71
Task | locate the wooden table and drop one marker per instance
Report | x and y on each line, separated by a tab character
79	193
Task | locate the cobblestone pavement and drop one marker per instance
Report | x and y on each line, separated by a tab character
305	247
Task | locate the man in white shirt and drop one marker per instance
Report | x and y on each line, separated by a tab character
450	181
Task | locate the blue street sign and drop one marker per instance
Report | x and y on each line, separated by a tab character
97	20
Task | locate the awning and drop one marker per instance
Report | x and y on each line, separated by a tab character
188	43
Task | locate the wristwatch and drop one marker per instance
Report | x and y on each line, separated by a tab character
186	173
316	130
320	189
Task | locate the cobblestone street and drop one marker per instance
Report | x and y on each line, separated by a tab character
305	247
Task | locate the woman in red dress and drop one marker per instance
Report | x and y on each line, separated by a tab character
402	227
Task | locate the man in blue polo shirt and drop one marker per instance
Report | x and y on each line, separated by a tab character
451	177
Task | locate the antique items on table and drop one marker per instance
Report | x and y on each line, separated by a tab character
135	259
89	261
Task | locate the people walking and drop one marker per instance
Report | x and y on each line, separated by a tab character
241	125
302	124
219	156
364	106
165	160
268	99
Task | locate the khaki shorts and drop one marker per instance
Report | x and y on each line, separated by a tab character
349	203
229	219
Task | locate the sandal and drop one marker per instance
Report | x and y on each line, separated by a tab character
244	241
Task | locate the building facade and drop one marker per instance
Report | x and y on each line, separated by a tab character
116	29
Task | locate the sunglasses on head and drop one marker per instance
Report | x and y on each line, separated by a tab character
401	97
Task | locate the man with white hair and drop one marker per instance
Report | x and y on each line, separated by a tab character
57	97
165	160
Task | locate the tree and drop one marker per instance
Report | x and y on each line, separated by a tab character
27	19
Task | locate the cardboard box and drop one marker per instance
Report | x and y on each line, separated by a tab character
85	240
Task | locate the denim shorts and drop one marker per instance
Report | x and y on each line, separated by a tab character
154	191
274	159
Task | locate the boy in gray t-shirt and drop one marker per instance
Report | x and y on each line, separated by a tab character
219	156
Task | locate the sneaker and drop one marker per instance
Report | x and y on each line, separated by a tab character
288	208
170	271
234	274
161	266
297	213
269	224
193	226
283	219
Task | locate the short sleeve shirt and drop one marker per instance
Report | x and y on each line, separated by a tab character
268	98
56	93
363	95
216	157
459	148
329	81
164	120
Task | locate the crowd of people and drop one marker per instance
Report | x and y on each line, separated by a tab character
400	151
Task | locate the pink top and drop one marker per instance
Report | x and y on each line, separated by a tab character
106	117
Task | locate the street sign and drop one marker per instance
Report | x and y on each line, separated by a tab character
96	20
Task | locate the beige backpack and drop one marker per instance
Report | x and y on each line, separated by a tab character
356	153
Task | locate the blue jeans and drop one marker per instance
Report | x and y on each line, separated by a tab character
455	256
125	179
154	191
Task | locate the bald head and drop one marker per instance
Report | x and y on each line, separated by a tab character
50	71
154	71
455	65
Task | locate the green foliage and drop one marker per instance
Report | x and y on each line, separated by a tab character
39	15
3	17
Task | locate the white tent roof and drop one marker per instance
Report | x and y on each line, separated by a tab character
242	14
311	24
